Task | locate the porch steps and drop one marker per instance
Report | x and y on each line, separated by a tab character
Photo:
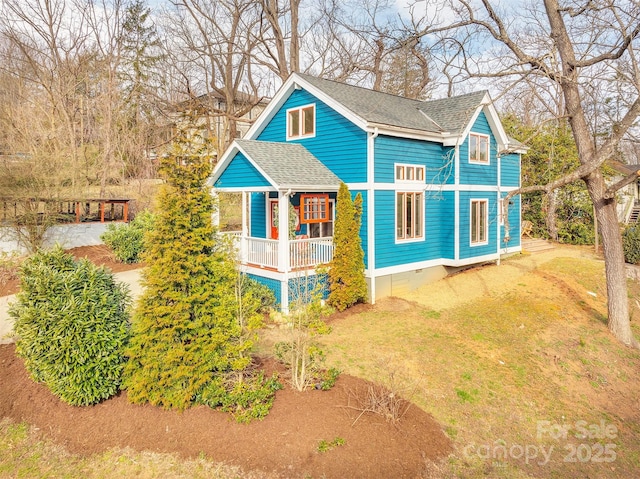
635	215
536	245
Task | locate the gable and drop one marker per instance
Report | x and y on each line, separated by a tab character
338	143
240	173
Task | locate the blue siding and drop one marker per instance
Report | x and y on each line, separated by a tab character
240	173
476	174
338	143
273	284
510	170
258	215
389	150
443	221
438	239
514	224
466	250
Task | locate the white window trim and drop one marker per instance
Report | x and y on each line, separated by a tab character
424	217
409	182
478	162
486	223
300	108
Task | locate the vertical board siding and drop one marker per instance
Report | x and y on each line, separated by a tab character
476	174
258	215
240	173
390	150
389	253
514	224
466	250
273	284
339	144
510	170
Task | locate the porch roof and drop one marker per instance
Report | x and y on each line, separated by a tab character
282	166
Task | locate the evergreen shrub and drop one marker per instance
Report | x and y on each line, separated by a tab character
631	244
347	284
72	326
127	240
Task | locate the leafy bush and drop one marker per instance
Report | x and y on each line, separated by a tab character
631	244
301	352
127	240
247	399
72	325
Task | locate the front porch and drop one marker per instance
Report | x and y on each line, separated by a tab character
304	253
288	200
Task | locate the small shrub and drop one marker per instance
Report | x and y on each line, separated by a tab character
72	325
631	244
9	265
127	240
246	399
301	352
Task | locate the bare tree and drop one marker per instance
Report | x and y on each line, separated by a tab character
216	39
572	47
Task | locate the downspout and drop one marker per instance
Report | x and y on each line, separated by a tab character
500	226
371	241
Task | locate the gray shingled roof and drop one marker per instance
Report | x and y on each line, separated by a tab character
290	165
435	116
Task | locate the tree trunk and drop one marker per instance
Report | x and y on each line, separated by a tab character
615	269
552	207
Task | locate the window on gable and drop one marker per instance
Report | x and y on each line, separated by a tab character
315	208
478	148
410	173
479	221
301	122
409	215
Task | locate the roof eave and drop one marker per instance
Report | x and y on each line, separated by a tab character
392	130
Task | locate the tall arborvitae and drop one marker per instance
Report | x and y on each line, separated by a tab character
185	333
346	272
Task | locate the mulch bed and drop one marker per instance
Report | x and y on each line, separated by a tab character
285	444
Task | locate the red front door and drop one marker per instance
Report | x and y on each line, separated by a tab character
273	220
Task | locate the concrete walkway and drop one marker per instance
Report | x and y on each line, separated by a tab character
131	278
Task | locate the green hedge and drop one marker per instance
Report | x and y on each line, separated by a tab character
72	326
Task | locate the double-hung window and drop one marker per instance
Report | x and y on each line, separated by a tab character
478	148
409	181
479	222
301	122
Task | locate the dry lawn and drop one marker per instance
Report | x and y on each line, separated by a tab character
507	358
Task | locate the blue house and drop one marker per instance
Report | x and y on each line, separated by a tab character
432	174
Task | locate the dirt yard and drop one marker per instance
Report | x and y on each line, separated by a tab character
285	444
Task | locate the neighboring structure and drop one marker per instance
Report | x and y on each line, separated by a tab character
432	176
629	196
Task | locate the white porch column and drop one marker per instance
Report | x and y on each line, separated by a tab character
283	247
283	231
244	235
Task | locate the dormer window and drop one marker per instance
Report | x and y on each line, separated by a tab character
478	148
301	122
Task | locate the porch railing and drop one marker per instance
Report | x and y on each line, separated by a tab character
303	253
